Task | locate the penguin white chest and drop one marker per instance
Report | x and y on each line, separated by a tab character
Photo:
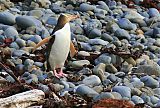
60	48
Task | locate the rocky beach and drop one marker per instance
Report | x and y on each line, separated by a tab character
117	59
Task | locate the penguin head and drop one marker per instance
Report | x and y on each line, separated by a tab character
65	18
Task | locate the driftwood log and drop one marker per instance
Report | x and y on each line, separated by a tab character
22	100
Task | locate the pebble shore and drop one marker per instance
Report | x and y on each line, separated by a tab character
106	24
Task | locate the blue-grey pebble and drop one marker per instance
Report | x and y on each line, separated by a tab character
103	5
112	78
85	46
36	38
28	62
150	81
97	42
57	8
14	45
104	95
137	99
122	34
36	13
112	26
154	99
10	79
137	84
39	64
32	78
94	33
156	32
107	37
7	18
92	80
11	32
124	23
51	21
86	7
21	42
145	98
27	21
44	88
123	90
153	12
65	84
86	91
103	59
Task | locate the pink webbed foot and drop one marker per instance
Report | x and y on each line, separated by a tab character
56	74
60	74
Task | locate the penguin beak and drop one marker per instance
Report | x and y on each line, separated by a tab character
72	17
46	40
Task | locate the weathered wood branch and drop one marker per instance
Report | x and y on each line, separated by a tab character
22	100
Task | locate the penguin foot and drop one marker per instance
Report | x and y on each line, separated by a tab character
60	74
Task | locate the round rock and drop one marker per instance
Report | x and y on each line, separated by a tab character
123	90
92	80
7	18
137	99
86	91
150	82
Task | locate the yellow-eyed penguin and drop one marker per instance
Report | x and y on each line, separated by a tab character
59	44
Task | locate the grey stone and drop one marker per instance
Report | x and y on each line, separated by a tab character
21	42
79	63
123	90
27	21
104	95
94	33
139	21
156	32
83	53
107	37
57	8
14	45
153	12
36	39
19	53
86	91
136	91
122	34
99	70
86	46
150	82
44	88
112	78
7	18
32	78
132	15
97	42
138	84
103	59
110	68
145	98
149	69
112	27
154	99
116	95
124	23
81	38
86	7
57	87
51	21
98	89
137	99
11	32
92	80
36	13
